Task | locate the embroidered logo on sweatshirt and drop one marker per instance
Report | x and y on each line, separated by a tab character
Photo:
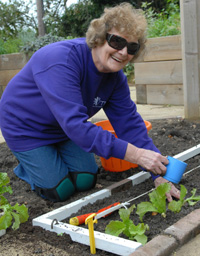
98	103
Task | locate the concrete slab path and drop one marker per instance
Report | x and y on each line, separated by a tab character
192	248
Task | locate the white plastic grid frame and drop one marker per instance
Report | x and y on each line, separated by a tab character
52	221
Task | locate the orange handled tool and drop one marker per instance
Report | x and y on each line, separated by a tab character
78	220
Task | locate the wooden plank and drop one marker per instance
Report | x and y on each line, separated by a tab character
12	61
189	31
141	94
162	48
7	75
163	72
1	90
198	31
198	40
165	94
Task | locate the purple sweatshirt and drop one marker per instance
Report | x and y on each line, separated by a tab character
58	90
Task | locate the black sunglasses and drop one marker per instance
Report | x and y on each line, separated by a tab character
118	43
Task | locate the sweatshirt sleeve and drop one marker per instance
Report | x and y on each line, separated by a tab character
126	121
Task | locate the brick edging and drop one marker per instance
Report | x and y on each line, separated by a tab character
173	237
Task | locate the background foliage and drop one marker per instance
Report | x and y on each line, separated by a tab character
19	31
18	20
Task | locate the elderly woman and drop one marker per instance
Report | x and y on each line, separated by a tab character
45	108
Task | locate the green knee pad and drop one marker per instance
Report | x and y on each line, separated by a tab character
65	189
84	181
61	192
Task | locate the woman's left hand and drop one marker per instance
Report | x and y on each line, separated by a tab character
173	192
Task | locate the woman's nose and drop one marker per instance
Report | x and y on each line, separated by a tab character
124	51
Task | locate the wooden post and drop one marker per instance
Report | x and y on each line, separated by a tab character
40	14
190	31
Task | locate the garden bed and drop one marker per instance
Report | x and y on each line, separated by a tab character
170	136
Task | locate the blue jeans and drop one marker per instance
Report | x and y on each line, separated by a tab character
46	166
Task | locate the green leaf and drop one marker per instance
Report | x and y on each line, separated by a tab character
115	228
3	201
141	239
158	197
4	179
22	211
193	199
175	206
127	223
125	213
139	229
16	223
5	220
7	189
183	192
145	207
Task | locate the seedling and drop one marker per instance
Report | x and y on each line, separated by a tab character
175	206
158	201
127	227
12	215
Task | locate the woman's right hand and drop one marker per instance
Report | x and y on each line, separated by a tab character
148	159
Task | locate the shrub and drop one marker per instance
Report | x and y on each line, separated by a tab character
10	46
39	42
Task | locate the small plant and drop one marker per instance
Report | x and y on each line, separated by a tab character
175	206
157	204
11	215
158	201
127	227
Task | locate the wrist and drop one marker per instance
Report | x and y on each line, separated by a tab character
133	154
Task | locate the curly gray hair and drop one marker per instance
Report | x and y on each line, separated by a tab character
124	18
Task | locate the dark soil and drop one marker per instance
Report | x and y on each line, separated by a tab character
170	136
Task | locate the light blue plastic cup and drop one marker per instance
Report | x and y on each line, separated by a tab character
175	170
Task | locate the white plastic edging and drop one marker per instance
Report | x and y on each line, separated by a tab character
2	232
112	244
185	155
139	177
119	246
67	210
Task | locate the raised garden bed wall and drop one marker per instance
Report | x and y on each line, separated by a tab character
10	65
158	72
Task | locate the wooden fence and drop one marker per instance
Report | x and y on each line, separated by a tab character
10	65
158	73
